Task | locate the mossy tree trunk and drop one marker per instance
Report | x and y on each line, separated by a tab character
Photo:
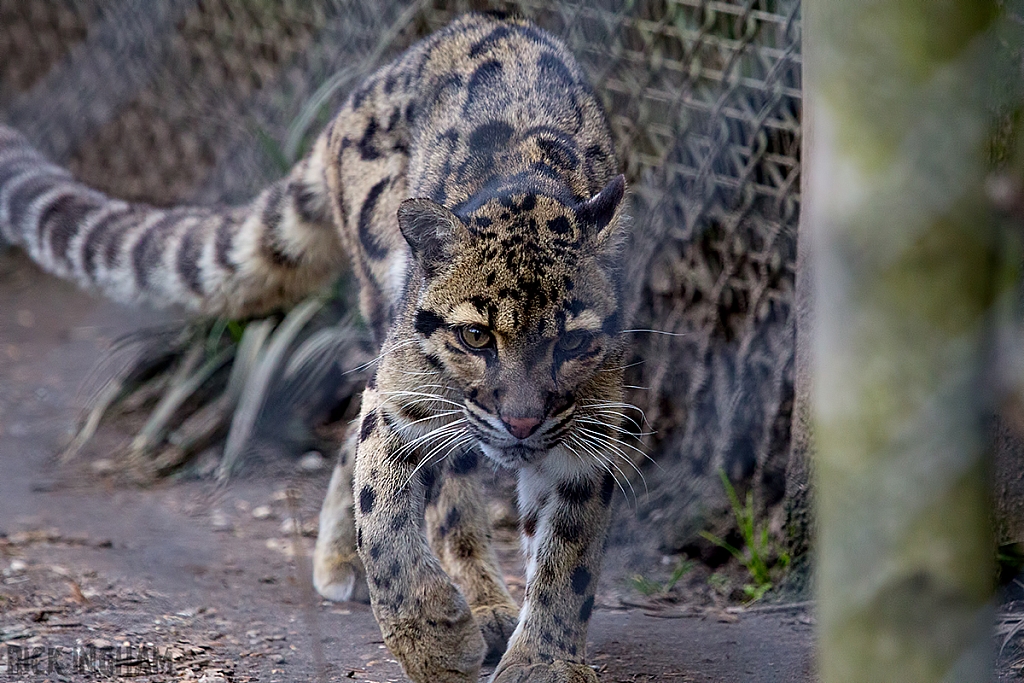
906	270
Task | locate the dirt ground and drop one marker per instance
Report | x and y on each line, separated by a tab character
217	580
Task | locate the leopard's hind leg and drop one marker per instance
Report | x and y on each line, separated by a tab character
337	570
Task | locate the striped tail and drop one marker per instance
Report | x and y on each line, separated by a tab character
236	261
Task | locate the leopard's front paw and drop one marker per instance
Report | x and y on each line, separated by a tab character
557	671
439	643
496	622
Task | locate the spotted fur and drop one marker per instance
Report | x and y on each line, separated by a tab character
472	183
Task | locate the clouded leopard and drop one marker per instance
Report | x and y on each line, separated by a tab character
473	185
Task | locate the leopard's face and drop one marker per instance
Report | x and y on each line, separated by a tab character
521	318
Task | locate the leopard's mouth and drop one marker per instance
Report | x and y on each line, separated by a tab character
511	456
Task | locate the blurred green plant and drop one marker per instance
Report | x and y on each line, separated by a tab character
758	555
212	380
650	588
719	582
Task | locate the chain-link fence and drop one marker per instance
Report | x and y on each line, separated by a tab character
206	100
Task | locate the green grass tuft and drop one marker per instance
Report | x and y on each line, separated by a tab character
758	555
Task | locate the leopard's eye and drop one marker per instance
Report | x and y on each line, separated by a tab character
476	337
574	342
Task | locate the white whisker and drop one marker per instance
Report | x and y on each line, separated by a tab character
608	463
615	443
616	428
421	394
621	416
447	428
383	353
435	416
617	404
623	367
664	332
454	438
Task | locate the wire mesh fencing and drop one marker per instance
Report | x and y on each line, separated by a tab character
207	100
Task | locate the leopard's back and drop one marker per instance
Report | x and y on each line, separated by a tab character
485	108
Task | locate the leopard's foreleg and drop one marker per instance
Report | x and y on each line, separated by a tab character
459	532
425	620
564	505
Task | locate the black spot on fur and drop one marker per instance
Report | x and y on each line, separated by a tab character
489	137
558	154
368	425
567	527
607	489
487	76
580	580
309	205
530	525
560	225
224	240
576	492
374	249
367	150
586	609
575	306
597	165
434	361
464	463
360	95
488	41
393	120
451	521
113	224
187	261
372	382
366	499
431	485
271	219
62	220
554	72
610	326
148	251
465	549
374	551
427	322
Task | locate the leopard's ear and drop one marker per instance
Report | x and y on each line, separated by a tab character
598	212
431	230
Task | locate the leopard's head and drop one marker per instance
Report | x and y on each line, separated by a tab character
519	308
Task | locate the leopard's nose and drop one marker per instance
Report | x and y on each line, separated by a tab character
521	427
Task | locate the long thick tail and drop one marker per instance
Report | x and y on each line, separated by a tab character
235	261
